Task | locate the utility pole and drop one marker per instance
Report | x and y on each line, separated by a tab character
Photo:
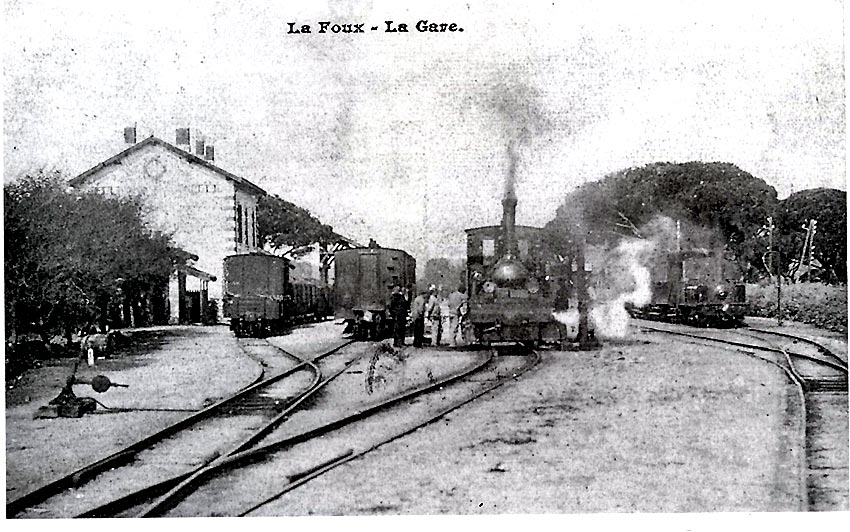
770	245
776	270
778	291
813	228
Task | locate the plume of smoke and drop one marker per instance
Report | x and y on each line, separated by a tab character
671	235
628	270
519	115
628	281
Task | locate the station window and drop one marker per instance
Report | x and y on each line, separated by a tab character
247	227
239	223
253	228
488	246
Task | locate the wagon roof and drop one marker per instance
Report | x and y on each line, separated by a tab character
241	181
362	248
483	227
260	253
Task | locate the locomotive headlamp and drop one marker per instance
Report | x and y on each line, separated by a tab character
489	287
533	286
721	292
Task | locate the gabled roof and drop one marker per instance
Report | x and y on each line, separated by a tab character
80	179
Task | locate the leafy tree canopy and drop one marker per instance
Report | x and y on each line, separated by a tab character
288	228
68	252
716	197
444	273
828	207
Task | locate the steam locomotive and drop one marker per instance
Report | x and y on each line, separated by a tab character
694	288
260	299
512	282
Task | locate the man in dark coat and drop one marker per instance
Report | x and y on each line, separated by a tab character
398	311
417	314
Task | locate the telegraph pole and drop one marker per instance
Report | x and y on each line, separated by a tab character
776	270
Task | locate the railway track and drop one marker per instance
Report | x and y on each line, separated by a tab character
821	380
274	465
376	425
255	411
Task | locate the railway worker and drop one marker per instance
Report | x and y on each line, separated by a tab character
398	311
417	314
457	299
434	315
562	296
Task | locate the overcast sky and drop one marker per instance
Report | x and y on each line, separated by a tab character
402	137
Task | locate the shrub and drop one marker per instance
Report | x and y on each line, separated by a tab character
813	303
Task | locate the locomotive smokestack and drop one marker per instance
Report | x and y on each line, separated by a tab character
509	225
509	205
509	272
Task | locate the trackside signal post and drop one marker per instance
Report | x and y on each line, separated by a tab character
771	226
586	340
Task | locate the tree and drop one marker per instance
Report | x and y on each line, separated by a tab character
68	253
716	199
445	273
828	207
288	228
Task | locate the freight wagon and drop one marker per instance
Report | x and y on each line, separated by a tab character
364	278
260	300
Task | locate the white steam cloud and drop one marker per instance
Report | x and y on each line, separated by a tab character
570	319
630	282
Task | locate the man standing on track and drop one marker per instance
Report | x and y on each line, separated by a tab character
417	314
457	299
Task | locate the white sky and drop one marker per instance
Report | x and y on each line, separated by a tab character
402	137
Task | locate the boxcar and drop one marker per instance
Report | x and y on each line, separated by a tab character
364	278
310	301
255	293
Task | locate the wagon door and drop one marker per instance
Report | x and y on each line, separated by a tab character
369	281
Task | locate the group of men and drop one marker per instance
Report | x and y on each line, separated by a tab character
428	305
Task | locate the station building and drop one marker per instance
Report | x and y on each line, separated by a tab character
208	212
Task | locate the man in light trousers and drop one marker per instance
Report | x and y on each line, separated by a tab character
457	299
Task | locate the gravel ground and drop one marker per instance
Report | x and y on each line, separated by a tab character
310	339
164	368
367	382
644	425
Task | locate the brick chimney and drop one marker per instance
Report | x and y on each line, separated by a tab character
130	135
183	139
